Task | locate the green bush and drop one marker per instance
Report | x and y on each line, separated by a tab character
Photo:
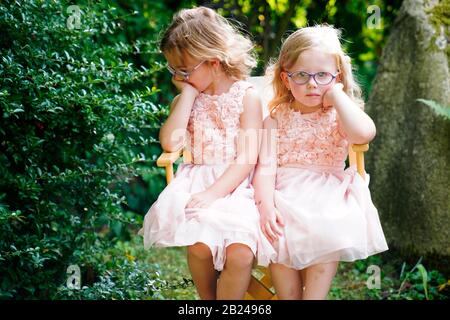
74	115
128	272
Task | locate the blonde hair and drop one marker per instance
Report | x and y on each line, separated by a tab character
323	37
204	34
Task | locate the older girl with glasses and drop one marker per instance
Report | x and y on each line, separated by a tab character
314	212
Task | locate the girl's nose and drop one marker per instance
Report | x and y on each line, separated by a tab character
311	83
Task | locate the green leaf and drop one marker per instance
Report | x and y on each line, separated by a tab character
437	108
423	273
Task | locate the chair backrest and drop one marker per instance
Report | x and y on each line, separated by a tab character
263	86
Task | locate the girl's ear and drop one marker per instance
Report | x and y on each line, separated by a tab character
215	63
284	77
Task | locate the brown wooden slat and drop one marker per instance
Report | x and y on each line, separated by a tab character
258	291
168	158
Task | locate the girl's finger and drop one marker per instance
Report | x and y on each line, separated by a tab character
273	236
192	203
340	85
280	218
275	228
267	236
264	231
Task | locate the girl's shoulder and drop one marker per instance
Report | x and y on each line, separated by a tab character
237	88
244	83
270	122
241	87
279	112
238	92
230	102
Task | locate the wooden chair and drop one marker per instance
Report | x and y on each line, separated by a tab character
260	287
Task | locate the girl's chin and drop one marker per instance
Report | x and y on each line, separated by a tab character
312	104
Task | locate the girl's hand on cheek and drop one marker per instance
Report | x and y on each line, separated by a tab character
330	94
184	86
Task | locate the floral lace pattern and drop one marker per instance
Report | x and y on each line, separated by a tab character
214	125
311	139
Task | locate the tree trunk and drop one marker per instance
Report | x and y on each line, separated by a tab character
281	28
409	160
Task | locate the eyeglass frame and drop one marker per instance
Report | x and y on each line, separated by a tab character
183	74
313	75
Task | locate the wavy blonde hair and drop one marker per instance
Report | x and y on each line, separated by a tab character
322	37
203	34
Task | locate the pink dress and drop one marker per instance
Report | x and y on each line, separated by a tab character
212	131
328	212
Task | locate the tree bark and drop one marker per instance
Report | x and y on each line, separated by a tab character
409	161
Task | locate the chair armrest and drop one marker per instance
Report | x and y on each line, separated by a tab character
356	157
360	147
168	158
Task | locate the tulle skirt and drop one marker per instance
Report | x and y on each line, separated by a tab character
232	219
328	214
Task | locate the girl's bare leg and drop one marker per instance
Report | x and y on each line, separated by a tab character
235	276
200	263
318	280
287	282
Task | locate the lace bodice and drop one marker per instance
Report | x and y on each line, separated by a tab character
214	124
311	139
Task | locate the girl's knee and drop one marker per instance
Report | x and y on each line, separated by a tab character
239	256
200	251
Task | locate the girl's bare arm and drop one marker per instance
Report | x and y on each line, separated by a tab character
353	121
173	131
265	173
264	182
247	147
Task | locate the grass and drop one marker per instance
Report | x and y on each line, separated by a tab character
398	280
174	271
128	271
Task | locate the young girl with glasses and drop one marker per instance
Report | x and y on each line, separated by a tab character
314	212
209	206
